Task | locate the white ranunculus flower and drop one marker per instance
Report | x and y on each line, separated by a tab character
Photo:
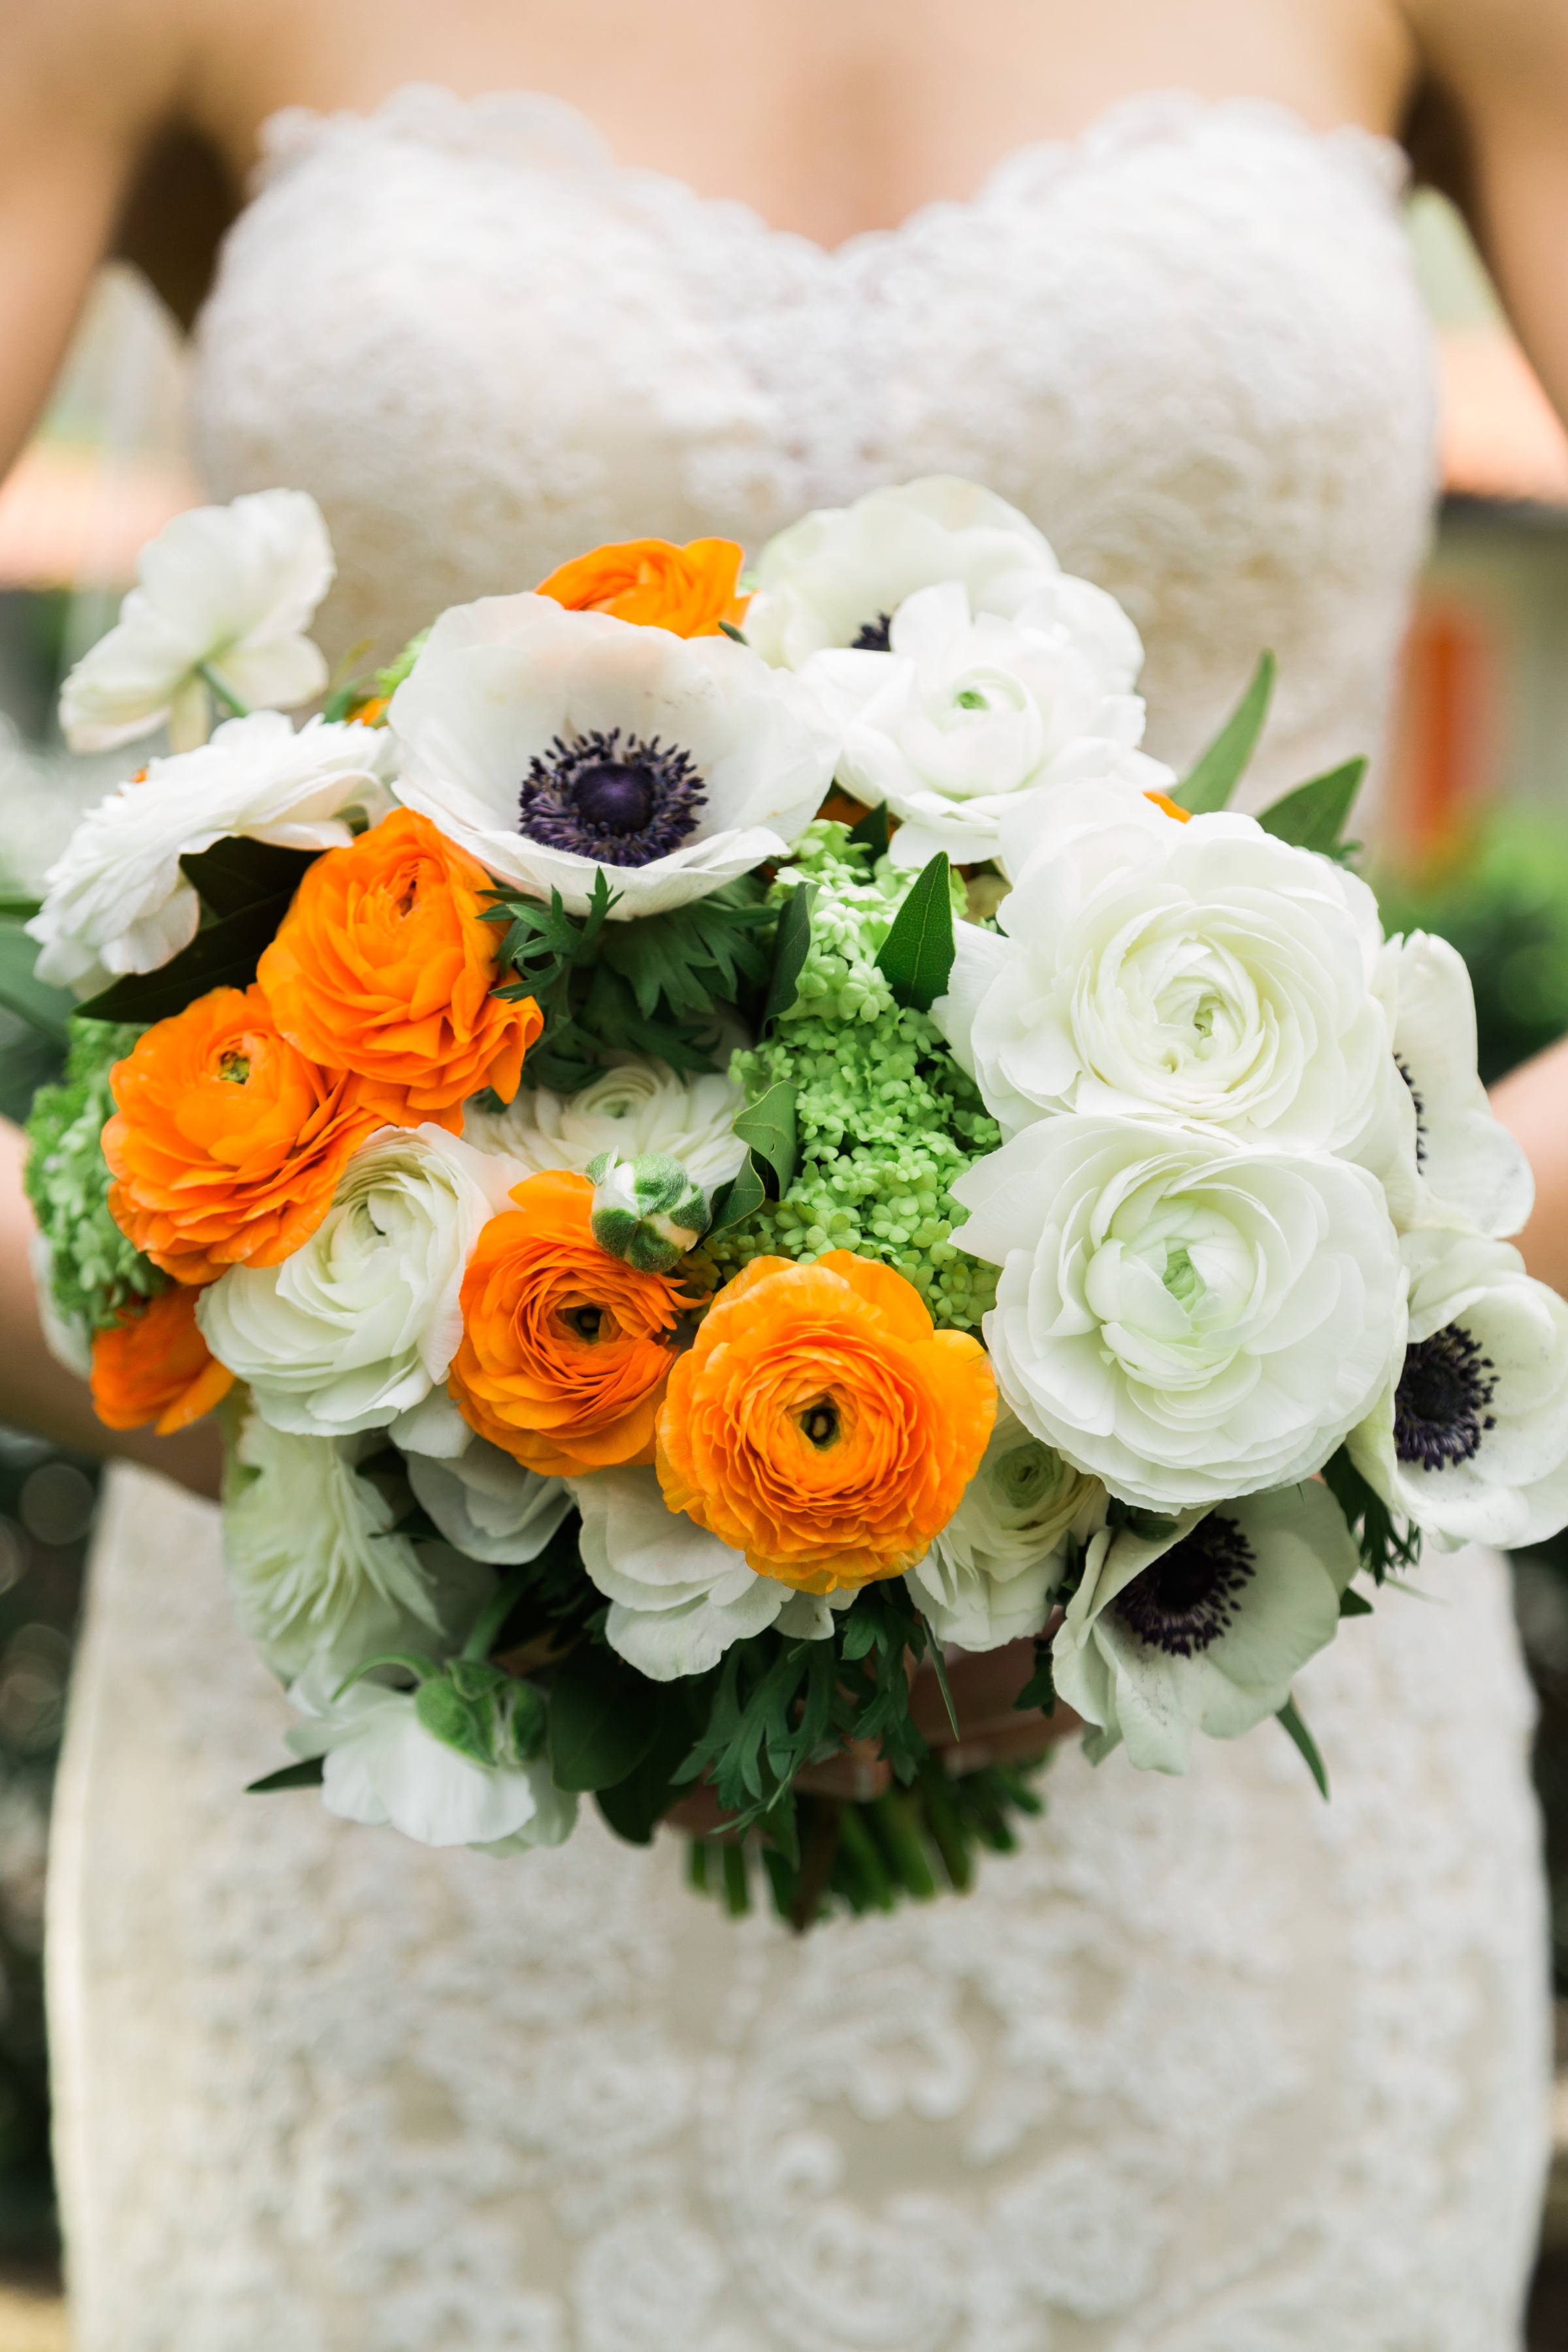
1202	1626
1468	1166
555	745
989	1575
230	589
316	1572
1469	1435
1188	1321
837	576
1203	973
380	1765
680	1597
639	1106
116	900
964	713
359	1324
488	1506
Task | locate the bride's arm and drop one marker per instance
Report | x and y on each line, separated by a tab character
1499	75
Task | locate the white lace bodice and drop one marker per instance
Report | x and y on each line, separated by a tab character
1190	346
1207	2066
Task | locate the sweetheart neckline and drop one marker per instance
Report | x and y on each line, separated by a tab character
1133	109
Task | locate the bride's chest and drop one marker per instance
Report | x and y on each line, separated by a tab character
1189	346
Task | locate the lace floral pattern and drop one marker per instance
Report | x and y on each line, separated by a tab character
1209	2066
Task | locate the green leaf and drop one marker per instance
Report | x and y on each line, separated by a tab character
19	910
603	1717
1353	1603
1215	774
939	1668
693	957
304	1775
1304	1740
1313	816
916	957
1385	1542
48	1009
739	1200
872	830
768	1125
224	955
1040	1690
635	1807
792	944
461	1722
731	631
237	872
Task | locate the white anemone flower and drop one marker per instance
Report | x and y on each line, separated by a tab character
989	1575
1202	1625
1201	972
381	1767
678	1596
1187	1321
554	746
116	900
1469	1167
965	712
357	1326
639	1106
1469	1435
839	576
316	1571
223	594
487	1505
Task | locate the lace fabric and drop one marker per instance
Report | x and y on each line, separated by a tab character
1208	2067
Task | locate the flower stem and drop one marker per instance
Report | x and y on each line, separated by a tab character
222	693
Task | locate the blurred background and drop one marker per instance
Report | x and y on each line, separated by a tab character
1474	845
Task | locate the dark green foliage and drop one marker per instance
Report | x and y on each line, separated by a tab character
634	1806
1313	816
1385	1542
1307	1746
917	956
246	888
792	944
1215	774
768	1126
873	830
236	872
45	1009
306	1774
604	1718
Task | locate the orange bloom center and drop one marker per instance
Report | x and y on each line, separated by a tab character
688	590
565	1349
820	1425
384	966
228	1142
155	1365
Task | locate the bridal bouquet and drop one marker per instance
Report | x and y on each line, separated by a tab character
713	1143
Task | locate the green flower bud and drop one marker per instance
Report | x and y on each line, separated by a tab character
647	1211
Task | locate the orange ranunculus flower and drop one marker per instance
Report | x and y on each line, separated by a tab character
384	966
565	1349
228	1142
687	590
155	1365
821	1424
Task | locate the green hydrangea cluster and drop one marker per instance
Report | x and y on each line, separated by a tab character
96	1269
886	1117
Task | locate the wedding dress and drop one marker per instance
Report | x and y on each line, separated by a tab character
1209	2066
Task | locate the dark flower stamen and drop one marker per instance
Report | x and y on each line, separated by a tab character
1440	1405
1185	1600
819	1422
874	636
623	806
1420	1113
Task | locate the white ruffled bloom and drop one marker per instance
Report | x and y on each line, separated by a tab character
839	574
635	1108
380	1765
1469	1435
1468	1166
513	680
116	900
1202	1626
964	713
490	1506
316	1572
989	1575
359	1326
1203	973
230	589
680	1597
1189	1322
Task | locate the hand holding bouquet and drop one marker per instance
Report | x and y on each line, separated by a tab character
712	1146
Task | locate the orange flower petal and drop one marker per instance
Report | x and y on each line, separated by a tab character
155	1365
688	590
